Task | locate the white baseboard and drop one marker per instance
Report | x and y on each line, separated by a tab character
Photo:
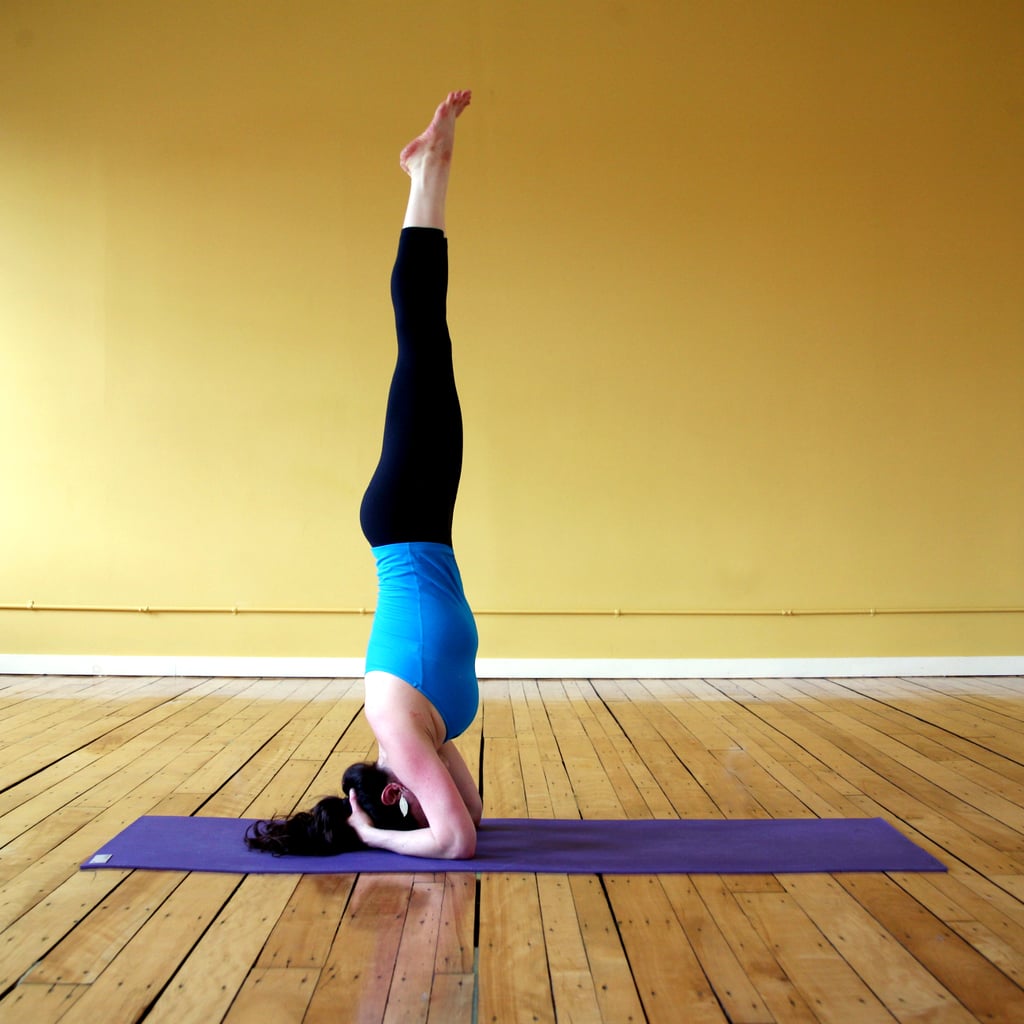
518	668
745	668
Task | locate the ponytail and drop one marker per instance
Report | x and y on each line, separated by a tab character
325	830
317	833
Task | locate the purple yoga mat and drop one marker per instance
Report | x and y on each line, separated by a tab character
760	846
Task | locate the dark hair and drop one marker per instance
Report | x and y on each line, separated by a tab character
325	830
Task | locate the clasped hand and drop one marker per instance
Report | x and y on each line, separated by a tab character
360	821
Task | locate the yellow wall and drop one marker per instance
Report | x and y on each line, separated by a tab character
737	295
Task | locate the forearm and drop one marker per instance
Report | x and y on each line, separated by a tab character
421	842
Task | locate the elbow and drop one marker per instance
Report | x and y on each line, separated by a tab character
461	847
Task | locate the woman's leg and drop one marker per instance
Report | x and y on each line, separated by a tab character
428	161
412	494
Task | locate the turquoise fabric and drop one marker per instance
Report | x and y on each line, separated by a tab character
423	629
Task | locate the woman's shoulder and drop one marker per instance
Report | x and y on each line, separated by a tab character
398	713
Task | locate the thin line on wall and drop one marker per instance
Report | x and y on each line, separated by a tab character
32	606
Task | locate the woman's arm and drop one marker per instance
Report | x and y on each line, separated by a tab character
464	782
451	831
422	842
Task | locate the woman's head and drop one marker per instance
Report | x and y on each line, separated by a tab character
325	830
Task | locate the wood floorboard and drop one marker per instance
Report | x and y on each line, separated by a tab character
941	759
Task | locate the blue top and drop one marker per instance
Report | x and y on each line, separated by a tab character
423	629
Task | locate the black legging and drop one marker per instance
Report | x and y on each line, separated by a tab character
411	496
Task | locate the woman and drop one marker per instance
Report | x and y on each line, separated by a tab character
421	689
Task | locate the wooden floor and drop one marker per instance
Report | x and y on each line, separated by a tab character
943	760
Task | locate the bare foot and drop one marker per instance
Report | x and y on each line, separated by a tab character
435	145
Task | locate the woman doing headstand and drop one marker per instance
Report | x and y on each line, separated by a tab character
421	687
